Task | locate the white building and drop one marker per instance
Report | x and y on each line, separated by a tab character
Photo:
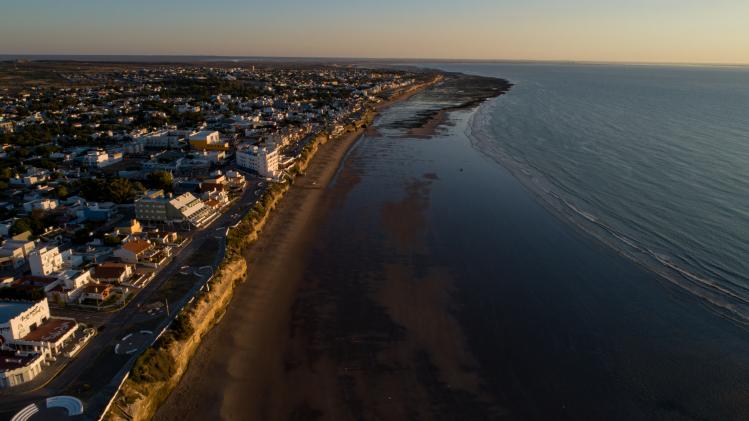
215	157
187	108
14	252
28	337
262	160
99	158
134	147
45	204
96	158
159	139
18	367
45	260
190	208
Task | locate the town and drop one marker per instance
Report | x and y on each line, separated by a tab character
119	186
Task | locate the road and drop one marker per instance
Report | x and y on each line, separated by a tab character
97	364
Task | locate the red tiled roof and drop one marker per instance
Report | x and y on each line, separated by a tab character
109	271
96	288
137	246
50	331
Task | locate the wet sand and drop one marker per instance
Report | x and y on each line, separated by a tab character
240	360
304	340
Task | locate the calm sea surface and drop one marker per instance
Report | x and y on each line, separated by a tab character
652	160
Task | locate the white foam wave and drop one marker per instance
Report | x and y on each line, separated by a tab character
724	298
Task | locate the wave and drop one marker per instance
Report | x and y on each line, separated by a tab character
723	297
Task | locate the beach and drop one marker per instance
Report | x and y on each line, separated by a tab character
247	363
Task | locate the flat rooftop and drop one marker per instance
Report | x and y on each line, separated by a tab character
10	361
11	309
50	331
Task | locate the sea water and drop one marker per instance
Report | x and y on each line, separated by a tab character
652	160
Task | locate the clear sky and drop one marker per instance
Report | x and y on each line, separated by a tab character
689	31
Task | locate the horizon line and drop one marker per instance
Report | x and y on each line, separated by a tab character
225	58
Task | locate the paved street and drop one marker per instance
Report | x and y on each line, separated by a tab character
97	364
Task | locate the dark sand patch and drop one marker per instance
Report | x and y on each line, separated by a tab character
457	92
339	320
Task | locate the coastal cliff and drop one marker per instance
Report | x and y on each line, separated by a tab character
161	367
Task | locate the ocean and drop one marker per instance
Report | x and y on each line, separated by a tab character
589	233
652	160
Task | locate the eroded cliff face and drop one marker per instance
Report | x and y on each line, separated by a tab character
138	400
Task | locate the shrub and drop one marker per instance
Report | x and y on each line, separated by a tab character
182	327
154	365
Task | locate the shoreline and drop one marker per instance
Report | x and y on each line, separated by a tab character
320	167
722	302
233	374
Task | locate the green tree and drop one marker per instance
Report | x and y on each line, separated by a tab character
21	225
160	180
112	240
82	236
121	190
62	192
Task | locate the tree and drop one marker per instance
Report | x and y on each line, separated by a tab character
121	190
118	190
6	173
62	192
21	225
160	180
82	236
112	240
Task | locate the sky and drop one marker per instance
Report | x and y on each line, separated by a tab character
658	31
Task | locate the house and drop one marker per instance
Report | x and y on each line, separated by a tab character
6	225
235	180
115	273
45	204
30	284
133	251
215	198
99	158
44	261
218	182
187	207
71	259
70	284
163	237
215	157
99	211
130	227
187	108
13	253
95	292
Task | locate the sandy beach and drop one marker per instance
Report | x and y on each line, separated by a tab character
269	358
252	335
